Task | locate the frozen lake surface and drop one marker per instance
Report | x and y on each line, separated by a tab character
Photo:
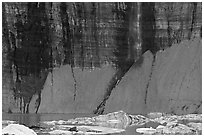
113	123
30	120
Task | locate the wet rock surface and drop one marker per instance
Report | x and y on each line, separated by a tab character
119	122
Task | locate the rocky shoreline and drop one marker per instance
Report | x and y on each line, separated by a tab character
113	123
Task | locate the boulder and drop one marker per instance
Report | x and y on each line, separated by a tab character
129	94
16	129
77	92
175	84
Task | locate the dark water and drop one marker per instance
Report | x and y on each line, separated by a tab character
37	119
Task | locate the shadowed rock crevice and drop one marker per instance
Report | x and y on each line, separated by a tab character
35	101
112	84
75	84
150	76
148	36
38	103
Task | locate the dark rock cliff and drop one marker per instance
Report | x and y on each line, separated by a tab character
91	57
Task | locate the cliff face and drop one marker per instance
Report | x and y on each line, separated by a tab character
176	85
74	92
172	85
169	83
54	56
129	95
